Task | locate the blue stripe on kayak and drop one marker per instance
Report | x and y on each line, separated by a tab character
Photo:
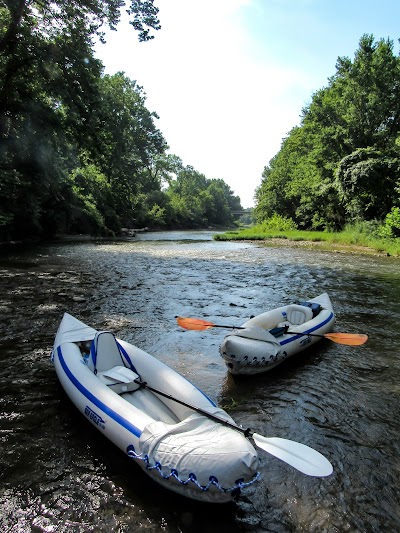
203	393
101	405
125	354
205	396
307	331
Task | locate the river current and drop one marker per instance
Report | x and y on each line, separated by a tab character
59	474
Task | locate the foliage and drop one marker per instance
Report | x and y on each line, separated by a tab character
157	215
94	202
198	201
366	181
341	164
278	223
391	226
79	150
361	237
128	143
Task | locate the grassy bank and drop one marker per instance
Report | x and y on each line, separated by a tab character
351	239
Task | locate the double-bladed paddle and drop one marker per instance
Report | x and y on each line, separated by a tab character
351	339
300	456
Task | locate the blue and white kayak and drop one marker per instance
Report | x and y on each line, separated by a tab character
265	341
183	450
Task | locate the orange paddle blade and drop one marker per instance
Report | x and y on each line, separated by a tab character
194	323
351	339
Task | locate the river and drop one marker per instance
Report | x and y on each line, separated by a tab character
59	474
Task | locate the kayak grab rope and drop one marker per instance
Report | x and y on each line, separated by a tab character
235	490
255	361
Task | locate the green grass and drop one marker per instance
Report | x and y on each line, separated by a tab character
352	237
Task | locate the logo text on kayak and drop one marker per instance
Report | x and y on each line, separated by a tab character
94	417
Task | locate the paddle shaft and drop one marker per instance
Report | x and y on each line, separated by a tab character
246	432
284	328
226	327
289	332
305	334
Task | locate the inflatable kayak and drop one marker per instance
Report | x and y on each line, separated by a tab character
265	341
112	384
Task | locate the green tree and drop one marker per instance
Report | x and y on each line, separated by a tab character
48	88
94	202
128	143
367	181
197	201
311	179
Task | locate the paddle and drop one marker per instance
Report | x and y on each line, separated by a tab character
351	339
300	456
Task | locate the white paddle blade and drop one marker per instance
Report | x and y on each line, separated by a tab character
300	456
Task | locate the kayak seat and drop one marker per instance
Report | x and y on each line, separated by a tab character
296	315
109	364
315	308
120	379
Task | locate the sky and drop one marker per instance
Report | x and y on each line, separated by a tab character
229	78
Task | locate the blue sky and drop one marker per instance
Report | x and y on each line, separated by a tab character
229	78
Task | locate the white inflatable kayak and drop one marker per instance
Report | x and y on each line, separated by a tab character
265	341
183	450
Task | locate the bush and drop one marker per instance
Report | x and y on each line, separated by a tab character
278	223
157	216
391	226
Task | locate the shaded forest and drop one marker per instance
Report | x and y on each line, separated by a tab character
79	150
341	165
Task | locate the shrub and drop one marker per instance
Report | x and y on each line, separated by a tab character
391	226
278	223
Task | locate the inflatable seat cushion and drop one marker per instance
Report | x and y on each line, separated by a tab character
120	379
105	351
298	314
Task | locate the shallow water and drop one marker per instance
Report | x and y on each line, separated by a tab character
59	474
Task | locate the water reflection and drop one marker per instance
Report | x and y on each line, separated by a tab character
177	236
59	474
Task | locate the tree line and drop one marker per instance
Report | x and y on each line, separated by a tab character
341	165
79	150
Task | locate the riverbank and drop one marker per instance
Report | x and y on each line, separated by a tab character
332	247
345	241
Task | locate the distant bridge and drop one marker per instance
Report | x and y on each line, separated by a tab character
244	212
